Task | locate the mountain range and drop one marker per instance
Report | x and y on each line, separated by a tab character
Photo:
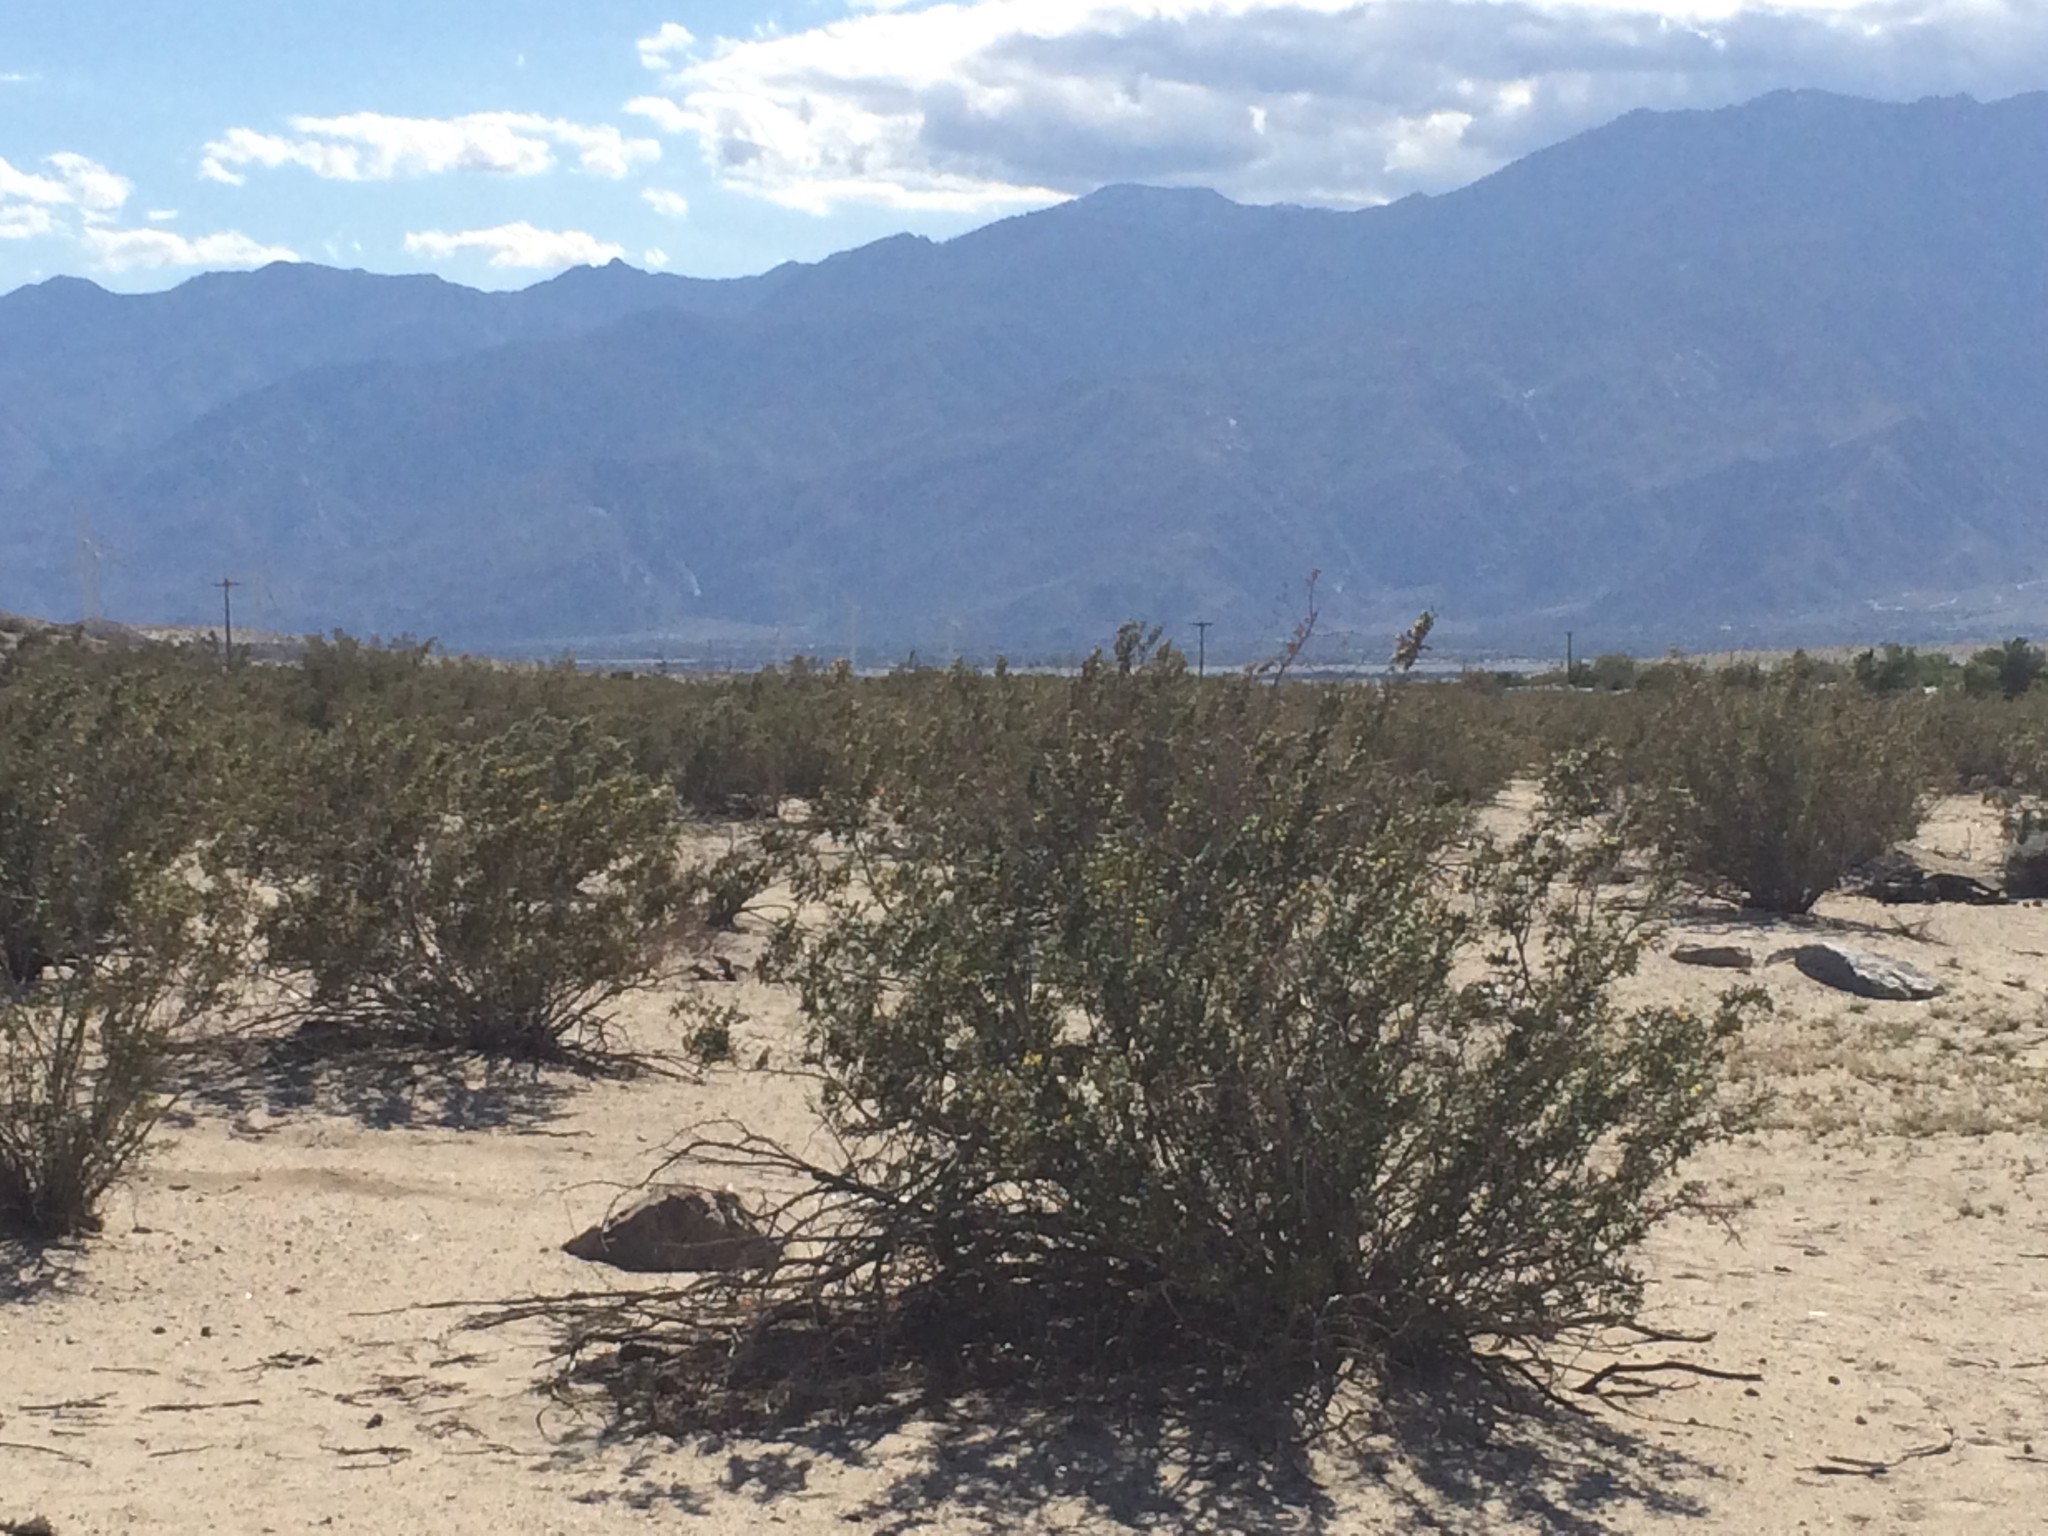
1776	373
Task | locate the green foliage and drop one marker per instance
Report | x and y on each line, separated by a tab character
2004	671
107	777
1773	792
1900	668
84	1051
1163	1026
497	896
1614	672
722	888
710	1038
117	929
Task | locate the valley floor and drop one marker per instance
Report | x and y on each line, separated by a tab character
260	1341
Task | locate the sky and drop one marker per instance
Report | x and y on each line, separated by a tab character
496	142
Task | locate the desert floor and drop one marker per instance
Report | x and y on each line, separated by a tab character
255	1343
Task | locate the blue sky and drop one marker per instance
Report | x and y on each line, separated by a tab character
496	142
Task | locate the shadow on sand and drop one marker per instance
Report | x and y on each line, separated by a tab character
381	1084
1445	1456
31	1267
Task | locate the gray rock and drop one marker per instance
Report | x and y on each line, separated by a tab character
1727	957
1863	973
1903	876
678	1229
2026	868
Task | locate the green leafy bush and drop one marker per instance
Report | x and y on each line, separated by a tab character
85	1047
2006	671
497	896
1773	793
1164	1028
116	932
107	778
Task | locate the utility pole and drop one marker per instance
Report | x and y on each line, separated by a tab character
1202	646
227	619
1569	680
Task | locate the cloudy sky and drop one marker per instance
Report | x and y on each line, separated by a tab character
496	141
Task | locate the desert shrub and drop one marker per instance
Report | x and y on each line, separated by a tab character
1614	672
497	896
1774	792
1985	741
84	1050
108	776
2004	671
722	887
1900	669
1448	743
115	930
1167	1035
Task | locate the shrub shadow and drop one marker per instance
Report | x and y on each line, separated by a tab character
381	1084
31	1267
1454	1455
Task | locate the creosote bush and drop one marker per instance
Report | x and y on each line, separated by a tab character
84	1052
1168	1029
1773	793
118	929
497	896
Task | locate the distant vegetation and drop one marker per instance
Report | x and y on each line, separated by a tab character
1161	1022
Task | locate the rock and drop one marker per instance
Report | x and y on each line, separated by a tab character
1727	957
1865	974
1901	876
678	1229
2026	868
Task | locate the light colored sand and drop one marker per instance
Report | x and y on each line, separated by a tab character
243	1351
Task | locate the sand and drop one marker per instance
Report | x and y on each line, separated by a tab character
256	1343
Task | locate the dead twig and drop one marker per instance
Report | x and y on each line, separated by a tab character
1857	1466
81	1404
238	1402
1625	1368
390	1453
44	1450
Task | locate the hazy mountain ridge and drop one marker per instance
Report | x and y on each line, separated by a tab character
1765	367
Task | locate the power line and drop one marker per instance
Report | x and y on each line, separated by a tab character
227	618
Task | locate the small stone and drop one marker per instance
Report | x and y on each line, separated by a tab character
679	1229
1727	957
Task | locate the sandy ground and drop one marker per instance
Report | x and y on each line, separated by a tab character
254	1344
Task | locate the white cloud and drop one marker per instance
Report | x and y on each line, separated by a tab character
978	104
161	215
518	245
17	77
662	112
661	50
25	221
669	204
654	258
372	146
80	191
124	250
96	191
26	186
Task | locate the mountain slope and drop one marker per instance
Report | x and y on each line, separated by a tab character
1772	371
